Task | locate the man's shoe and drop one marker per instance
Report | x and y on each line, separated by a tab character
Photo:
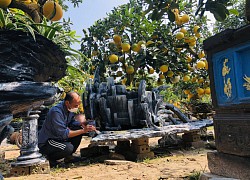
53	163
56	163
72	159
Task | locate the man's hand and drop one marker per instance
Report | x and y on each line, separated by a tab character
88	128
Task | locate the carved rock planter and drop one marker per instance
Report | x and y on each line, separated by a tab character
27	66
24	59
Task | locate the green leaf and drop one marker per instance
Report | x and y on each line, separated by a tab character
2	18
10	26
219	11
234	11
174	5
171	16
51	34
31	31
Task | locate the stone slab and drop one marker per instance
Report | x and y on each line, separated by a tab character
133	134
229	165
210	176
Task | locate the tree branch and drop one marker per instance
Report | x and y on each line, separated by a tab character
27	8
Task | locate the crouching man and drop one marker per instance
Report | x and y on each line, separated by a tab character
56	140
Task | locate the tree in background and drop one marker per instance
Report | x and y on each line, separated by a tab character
129	46
236	18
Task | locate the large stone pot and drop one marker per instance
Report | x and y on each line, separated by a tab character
27	66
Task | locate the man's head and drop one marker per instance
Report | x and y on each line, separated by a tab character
72	101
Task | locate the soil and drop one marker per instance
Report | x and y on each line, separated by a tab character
177	163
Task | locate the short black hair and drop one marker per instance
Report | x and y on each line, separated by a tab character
69	96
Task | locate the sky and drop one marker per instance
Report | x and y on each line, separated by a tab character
88	12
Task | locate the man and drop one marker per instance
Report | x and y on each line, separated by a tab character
56	139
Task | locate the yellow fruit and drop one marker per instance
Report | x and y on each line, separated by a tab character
207	90
178	19
196	29
164	68
200	91
200	81
183	30
192	44
192	39
201	54
124	81
136	48
161	76
200	64
149	42
151	71
130	69
179	35
113	58
52	10
125	47
175	79
4	3
194	79
170	73
175	11
189	58
26	2
186	91
186	78
141	43
186	39
198	35
185	18
190	96
119	73
117	39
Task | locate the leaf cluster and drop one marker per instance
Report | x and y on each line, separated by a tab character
160	44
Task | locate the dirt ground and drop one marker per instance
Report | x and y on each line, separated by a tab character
176	164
